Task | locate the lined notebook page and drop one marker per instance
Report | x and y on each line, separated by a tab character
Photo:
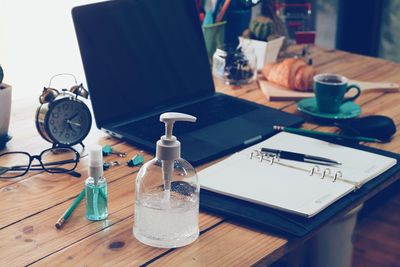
289	189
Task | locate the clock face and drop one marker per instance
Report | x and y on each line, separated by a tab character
68	121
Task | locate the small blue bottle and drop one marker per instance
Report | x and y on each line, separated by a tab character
96	187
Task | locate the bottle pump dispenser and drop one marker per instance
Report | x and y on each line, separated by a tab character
167	193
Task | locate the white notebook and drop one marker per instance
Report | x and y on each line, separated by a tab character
288	185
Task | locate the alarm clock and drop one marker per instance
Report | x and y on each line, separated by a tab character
62	118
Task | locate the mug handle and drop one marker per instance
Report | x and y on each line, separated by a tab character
353	97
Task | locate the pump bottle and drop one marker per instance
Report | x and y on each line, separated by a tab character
167	193
96	186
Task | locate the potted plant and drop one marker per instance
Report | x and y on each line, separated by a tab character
5	109
265	40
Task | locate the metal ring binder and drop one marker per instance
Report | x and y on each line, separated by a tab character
338	175
326	173
314	170
272	159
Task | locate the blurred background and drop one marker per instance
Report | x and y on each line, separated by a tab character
37	38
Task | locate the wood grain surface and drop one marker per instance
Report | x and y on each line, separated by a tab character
30	205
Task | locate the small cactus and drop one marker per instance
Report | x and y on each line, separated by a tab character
261	28
1	74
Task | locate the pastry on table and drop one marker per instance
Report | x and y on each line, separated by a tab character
292	73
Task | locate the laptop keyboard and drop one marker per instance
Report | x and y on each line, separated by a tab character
208	112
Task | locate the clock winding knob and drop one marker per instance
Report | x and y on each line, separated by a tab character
48	95
79	90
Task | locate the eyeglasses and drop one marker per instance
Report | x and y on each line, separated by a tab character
53	160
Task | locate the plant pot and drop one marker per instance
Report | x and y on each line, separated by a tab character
266	52
5	112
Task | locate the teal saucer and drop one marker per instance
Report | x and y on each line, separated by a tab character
347	111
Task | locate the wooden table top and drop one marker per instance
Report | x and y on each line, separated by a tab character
30	205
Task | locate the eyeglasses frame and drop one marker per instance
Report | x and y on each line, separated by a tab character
43	166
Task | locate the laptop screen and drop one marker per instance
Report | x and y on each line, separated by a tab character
141	55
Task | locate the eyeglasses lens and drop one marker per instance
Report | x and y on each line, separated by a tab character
13	164
58	160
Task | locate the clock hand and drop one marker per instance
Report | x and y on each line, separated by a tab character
72	129
73	123
73	116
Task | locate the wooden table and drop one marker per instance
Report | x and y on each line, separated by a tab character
30	205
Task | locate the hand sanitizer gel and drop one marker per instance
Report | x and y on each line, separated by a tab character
96	186
167	194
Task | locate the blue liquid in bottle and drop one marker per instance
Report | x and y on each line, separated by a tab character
96	187
96	199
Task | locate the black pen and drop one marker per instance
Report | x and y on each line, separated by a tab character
300	157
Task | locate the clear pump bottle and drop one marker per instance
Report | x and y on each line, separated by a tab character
167	194
96	187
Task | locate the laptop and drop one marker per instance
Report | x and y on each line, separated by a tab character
145	57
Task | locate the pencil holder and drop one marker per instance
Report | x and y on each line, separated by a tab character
214	36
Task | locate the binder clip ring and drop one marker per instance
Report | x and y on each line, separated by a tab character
326	173
314	170
251	155
261	156
338	175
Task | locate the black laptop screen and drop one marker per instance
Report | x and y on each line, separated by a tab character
141	55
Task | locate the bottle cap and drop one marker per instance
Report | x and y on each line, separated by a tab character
95	156
95	162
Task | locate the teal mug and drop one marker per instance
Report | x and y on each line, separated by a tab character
329	92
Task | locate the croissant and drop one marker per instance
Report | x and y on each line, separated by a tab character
291	73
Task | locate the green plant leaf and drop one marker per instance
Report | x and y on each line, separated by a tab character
1	74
